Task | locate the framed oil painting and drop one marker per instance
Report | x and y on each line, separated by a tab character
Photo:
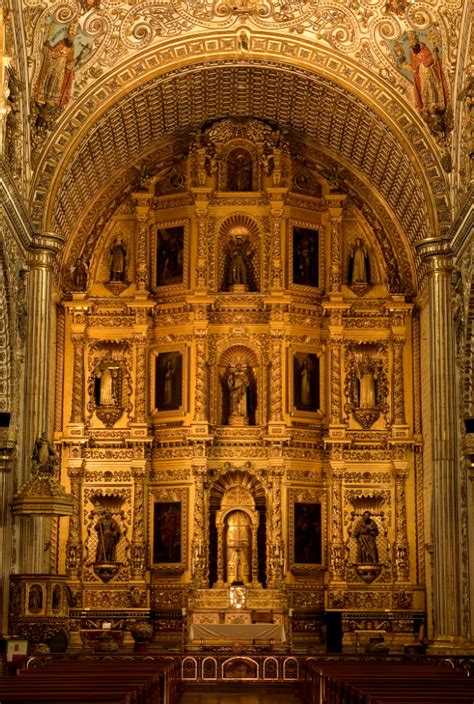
169	381
168	511
305	256
306	530
169	265
305	383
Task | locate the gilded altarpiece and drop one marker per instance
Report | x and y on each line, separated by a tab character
242	379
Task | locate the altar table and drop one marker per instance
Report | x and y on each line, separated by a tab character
237	631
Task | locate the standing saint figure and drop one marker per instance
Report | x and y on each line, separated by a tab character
431	91
238	271
44	456
366	377
238	383
118	261
108	377
359	267
366	532
54	83
108	535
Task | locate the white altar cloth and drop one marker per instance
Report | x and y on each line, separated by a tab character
237	631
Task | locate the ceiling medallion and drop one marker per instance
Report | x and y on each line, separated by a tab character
263	12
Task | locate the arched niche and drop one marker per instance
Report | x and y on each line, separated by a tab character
240	382
238	255
237	520
238	171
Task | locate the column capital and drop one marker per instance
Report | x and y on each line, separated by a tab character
44	248
436	254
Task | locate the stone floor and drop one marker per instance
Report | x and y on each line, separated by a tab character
239	694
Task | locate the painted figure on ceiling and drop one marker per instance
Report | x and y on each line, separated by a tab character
431	91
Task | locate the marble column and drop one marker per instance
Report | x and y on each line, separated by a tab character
33	532
445	465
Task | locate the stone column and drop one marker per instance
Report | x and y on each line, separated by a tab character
335	202
445	465
33	532
400	547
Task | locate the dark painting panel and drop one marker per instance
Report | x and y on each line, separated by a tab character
169	255
169	381
306	382
305	256
167	532
308	542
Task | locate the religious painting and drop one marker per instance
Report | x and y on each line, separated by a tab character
170	250
167	532
304	257
306	529
305	382
168	510
169	381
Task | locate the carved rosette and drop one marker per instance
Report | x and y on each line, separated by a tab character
138	546
335	386
337	552
398	391
74	542
276	400
77	409
200	398
199	543
400	548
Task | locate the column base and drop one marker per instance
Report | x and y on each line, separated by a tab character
450	645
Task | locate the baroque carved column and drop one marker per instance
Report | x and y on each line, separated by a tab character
400	547
138	546
74	542
337	530
335	202
200	542
445	518
140	379
275	556
277	203
77	408
398	342
201	204
335	399
276	385
143	218
201	383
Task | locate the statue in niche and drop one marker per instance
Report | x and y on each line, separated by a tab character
366	383
238	263
238	383
108	535
238	544
79	275
239	171
359	265
366	532
44	456
107	385
56	598
118	261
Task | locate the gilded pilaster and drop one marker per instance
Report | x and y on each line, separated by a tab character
275	556
200	392
143	218
336	528
335	227
398	343
75	473
199	543
400	547
77	409
202	217
276	214
138	546
276	407
445	519
140	384
335	398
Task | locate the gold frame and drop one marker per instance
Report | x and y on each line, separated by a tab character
172	287
169	494
293	411
154	354
321	230
308	496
